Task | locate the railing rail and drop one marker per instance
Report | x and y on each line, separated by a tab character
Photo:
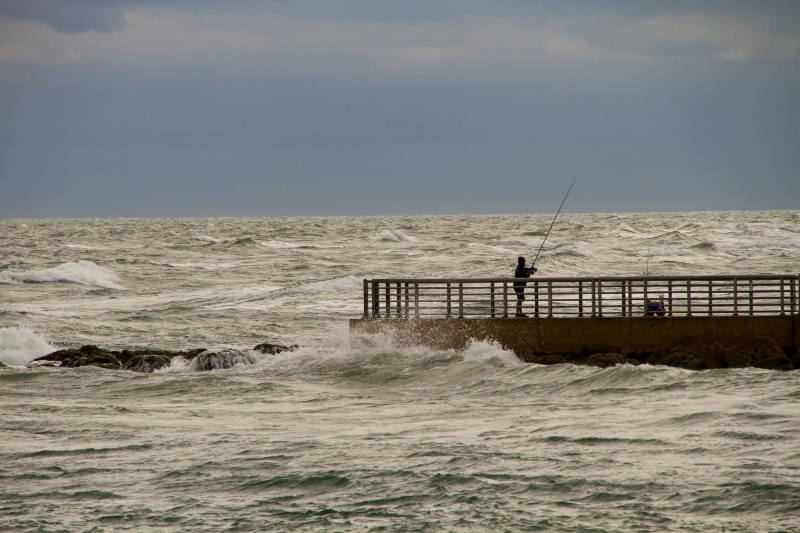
583	297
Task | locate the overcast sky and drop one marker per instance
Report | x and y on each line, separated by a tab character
334	107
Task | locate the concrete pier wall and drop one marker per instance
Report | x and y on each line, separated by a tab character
582	335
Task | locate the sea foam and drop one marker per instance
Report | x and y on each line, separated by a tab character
83	272
18	346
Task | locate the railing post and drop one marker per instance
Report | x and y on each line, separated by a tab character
669	295
416	300
375	299
630	297
449	303
399	304
366	299
536	299
688	297
491	298
505	299
622	298
580	298
735	297
406	299
594	298
460	299
549	298
710	300
751	297
646	298
600	298
783	299
388	300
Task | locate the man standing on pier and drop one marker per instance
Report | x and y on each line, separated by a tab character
519	286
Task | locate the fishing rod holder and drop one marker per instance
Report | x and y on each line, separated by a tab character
719	295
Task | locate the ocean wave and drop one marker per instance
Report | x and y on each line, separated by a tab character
380	362
18	346
279	245
82	247
392	235
83	272
212	240
578	249
481	246
203	266
346	283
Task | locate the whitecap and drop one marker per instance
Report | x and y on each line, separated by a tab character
393	235
83	272
213	240
81	247
20	345
280	244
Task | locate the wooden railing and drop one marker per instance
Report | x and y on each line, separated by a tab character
583	297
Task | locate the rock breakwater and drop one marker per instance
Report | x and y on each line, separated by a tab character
148	361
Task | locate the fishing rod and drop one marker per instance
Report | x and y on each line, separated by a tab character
553	222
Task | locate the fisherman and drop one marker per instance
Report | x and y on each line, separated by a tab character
656	307
519	286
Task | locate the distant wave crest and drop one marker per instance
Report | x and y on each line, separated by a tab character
83	272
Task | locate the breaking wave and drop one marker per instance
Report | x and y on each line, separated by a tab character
18	346
83	272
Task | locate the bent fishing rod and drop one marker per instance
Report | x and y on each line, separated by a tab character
552	223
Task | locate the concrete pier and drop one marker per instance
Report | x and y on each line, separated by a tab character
577	338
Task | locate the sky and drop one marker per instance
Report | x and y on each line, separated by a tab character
177	108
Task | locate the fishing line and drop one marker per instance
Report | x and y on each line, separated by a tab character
553	222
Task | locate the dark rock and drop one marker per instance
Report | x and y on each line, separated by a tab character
273	349
146	363
126	356
693	354
794	357
220	360
605	360
88	355
757	353
191	354
546	358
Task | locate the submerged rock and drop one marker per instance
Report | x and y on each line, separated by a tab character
605	360
147	363
757	353
273	349
210	360
706	354
691	355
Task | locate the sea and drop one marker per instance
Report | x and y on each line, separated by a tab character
334	437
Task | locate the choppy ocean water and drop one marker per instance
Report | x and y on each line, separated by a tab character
330	438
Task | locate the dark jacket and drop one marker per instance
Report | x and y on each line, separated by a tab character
522	272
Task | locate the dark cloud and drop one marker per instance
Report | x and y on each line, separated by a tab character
161	121
71	16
